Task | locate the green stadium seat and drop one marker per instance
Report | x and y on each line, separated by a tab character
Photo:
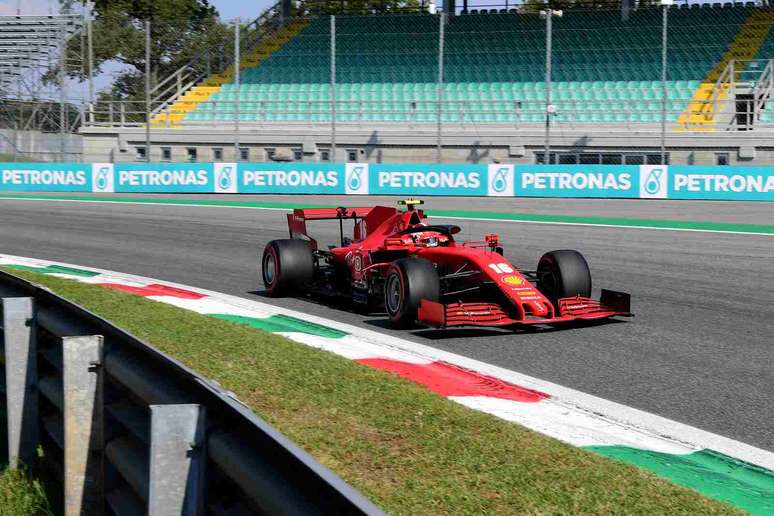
604	68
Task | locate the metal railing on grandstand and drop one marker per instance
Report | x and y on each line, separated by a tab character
114	426
687	67
39	111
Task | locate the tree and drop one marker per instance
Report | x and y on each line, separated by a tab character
181	30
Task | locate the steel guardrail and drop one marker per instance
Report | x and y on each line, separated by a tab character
126	429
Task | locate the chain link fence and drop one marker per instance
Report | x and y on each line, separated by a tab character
661	70
32	131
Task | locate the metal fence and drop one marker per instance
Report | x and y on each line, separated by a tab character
39	110
116	427
694	68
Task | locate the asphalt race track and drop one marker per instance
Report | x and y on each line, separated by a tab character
700	350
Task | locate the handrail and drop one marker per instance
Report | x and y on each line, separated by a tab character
197	58
727	76
131	114
181	89
756	83
248	41
763	89
250	462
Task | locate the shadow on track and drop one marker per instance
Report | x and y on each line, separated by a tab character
380	321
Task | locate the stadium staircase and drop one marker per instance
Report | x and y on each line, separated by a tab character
605	69
175	110
711	97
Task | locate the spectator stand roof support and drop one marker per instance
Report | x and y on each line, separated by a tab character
31	50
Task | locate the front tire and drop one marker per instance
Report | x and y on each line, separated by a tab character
287	267
563	273
408	281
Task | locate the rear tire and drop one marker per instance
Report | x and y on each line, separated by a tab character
287	267
563	273
408	281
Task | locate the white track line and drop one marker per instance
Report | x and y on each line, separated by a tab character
605	413
516	221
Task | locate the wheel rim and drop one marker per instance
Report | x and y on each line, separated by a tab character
548	282
269	269
394	296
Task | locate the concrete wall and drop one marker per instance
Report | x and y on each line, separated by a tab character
38	146
395	143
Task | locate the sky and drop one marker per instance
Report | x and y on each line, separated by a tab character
10	7
244	9
228	9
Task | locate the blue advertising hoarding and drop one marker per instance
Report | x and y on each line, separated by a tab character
721	183
163	177
422	179
590	181
291	178
603	181
45	177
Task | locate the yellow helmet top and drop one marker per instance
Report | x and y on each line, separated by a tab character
410	203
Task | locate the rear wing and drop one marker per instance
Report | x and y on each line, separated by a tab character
366	220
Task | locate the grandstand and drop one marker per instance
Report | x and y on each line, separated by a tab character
494	70
31	108
605	86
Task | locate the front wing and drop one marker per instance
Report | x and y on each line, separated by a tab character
570	309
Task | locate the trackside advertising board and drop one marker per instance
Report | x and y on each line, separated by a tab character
577	181
722	183
167	177
290	178
46	177
491	180
416	179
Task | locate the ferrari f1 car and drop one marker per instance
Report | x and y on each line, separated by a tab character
419	273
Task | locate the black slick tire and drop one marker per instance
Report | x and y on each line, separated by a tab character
563	273
408	281
287	267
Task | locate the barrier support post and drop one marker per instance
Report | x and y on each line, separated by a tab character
21	377
82	378
177	460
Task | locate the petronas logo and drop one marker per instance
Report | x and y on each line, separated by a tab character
500	182
653	182
102	178
355	180
224	180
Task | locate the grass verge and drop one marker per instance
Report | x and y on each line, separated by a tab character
20	495
408	449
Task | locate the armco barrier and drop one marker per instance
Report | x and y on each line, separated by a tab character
126	429
596	181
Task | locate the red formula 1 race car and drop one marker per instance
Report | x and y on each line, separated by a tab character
417	272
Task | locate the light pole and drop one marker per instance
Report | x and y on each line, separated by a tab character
333	89
665	4
439	89
89	14
237	87
548	14
147	90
